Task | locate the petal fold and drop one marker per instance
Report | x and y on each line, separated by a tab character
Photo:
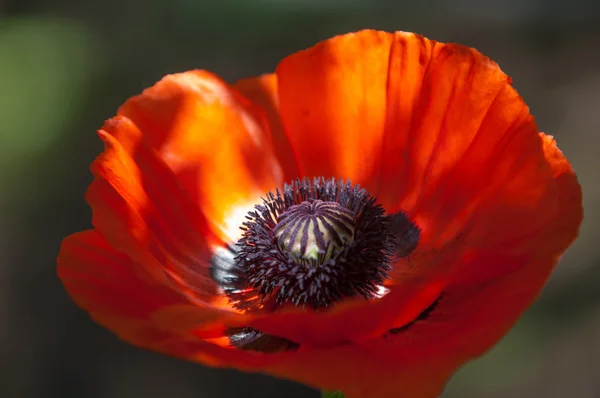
106	284
263	91
217	143
432	129
332	102
141	209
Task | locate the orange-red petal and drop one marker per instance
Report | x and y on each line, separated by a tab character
106	283
142	210
215	141
429	128
565	226
333	106
184	161
418	361
263	91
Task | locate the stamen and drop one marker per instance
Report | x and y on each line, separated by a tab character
312	244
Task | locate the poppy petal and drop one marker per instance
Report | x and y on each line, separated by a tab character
333	105
468	147
416	362
565	227
216	142
467	322
550	239
431	129
361	371
263	91
142	210
105	283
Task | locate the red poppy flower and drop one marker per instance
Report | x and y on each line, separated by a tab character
381	290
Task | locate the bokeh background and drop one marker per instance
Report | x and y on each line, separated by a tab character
66	65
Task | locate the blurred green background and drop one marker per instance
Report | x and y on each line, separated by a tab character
66	65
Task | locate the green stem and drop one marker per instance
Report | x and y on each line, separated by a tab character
334	394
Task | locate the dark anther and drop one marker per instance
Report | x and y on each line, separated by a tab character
406	233
422	316
312	244
252	340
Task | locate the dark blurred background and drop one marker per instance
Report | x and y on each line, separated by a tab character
66	65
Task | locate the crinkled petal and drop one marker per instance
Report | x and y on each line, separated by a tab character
106	284
333	106
142	210
416	362
183	163
263	91
216	142
431	129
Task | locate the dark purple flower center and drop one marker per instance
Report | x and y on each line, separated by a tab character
311	245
